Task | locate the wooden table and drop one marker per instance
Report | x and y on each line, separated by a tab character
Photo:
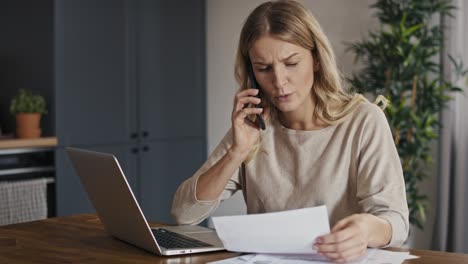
81	239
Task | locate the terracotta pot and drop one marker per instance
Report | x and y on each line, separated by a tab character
28	125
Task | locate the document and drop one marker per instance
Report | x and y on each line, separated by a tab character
378	256
286	232
373	256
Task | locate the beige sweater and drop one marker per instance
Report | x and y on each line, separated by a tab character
352	167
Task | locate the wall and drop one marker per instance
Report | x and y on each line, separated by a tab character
26	56
342	21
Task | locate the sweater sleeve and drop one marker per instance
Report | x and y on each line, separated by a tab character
380	183
186	208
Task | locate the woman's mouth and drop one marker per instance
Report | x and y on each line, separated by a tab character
283	98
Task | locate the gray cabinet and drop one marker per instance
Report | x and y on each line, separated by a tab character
130	80
171	68
164	166
93	97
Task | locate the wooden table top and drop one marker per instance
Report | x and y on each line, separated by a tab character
82	239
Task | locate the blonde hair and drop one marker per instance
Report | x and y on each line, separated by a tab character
290	21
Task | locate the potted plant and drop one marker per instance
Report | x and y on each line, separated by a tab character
401	61
28	109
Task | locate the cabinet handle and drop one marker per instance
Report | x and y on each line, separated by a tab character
134	135
134	150
145	148
145	134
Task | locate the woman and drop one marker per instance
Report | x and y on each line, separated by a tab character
320	146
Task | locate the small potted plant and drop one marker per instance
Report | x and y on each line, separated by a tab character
28	109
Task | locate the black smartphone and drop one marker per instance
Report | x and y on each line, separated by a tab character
253	82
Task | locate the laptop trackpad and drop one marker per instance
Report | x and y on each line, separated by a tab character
185	229
197	232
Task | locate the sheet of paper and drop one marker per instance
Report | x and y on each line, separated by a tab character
373	256
301	259
272	259
278	259
388	257
236	260
290	232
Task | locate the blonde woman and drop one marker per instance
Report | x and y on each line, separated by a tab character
320	146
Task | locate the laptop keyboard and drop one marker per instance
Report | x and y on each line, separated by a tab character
169	239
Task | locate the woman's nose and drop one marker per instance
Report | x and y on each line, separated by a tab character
280	78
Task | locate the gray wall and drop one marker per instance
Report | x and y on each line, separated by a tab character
342	21
26	56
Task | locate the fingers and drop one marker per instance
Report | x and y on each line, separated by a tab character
247	100
341	224
346	242
344	251
247	92
347	256
245	97
341	246
338	236
241	115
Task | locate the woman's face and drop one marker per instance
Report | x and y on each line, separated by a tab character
285	73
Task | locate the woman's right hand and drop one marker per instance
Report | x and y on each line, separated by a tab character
245	132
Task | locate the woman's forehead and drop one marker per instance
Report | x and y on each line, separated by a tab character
271	48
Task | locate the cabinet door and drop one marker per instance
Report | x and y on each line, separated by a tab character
170	41
94	100
71	195
163	168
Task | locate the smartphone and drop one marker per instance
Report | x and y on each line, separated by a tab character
253	82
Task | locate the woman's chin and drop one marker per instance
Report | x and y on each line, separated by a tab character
284	108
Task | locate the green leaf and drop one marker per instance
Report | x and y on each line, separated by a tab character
412	29
422	211
456	89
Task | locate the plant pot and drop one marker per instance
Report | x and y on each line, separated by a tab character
28	125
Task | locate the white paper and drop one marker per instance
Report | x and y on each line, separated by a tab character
412	257
388	257
290	232
236	260
373	256
278	259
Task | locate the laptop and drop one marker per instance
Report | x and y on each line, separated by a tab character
122	217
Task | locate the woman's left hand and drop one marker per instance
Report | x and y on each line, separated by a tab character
348	239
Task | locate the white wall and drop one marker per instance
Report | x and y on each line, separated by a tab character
342	21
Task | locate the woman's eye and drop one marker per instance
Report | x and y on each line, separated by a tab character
264	69
292	64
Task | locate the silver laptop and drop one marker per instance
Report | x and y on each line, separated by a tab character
121	215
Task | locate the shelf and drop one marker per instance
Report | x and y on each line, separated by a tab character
28	143
26	170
